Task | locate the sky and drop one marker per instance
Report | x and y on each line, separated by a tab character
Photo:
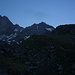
27	12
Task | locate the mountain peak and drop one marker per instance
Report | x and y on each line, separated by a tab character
42	22
7	27
0	16
3	16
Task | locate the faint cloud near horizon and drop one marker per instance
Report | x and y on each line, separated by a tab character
40	15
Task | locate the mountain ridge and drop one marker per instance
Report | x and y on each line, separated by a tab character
9	32
65	29
39	49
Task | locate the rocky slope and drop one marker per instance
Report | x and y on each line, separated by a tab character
51	54
8	30
65	29
35	29
41	54
15	33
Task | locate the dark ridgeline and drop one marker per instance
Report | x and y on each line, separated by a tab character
7	27
35	29
65	29
10	32
37	49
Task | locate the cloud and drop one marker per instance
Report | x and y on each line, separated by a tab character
40	15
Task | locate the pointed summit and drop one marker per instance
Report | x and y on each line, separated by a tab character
0	16
7	27
42	22
4	16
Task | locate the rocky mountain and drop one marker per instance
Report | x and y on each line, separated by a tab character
41	54
35	29
48	55
7	29
15	33
65	29
29	51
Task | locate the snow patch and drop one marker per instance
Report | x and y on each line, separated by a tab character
49	29
13	40
17	43
26	37
8	38
16	30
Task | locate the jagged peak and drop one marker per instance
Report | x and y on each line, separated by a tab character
0	16
45	24
34	24
16	25
5	17
42	22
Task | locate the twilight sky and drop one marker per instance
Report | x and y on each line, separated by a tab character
28	12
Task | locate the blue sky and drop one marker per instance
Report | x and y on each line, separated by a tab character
28	12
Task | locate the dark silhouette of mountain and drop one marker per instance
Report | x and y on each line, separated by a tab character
5	26
7	29
65	29
35	29
30	51
45	55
